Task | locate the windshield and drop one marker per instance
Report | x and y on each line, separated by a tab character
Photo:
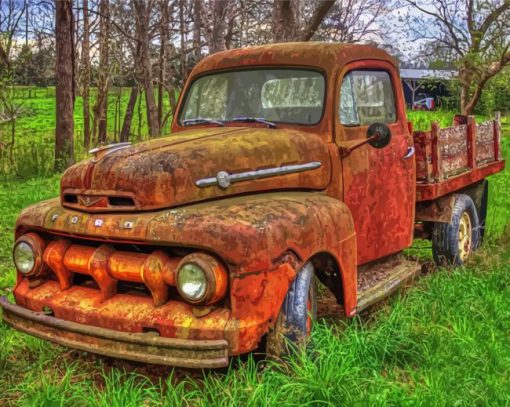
277	95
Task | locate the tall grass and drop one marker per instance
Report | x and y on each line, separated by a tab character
422	119
35	129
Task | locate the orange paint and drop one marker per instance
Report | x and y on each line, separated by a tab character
126	221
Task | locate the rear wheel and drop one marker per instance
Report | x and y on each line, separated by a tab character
298	311
454	242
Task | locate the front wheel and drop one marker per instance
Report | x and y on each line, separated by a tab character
453	243
298	311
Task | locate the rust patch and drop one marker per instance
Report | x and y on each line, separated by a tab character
439	210
140	347
453	149
162	173
485	142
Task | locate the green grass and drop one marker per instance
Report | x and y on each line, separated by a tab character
35	129
422	119
444	342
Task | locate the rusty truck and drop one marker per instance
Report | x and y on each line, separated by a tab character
287	166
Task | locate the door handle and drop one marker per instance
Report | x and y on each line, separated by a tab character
409	154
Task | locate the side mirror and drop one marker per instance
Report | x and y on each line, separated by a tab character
378	135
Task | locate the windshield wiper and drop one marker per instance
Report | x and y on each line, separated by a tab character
254	120
199	120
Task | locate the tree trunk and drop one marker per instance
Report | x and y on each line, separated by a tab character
316	19
163	57
142	27
128	117
465	83
13	139
469	101
64	129
284	20
85	74
287	25
171	74
139	129
101	105
464	96
116	122
197	30
25	73
218	33
184	72
469	107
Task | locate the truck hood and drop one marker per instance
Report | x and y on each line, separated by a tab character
186	167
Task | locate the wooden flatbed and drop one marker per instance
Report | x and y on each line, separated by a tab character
452	158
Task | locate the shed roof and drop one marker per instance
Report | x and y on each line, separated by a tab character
418	74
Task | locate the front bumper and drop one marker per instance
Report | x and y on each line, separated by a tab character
140	347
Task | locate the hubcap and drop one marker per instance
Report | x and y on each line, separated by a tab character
465	233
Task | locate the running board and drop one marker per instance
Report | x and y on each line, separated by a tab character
401	274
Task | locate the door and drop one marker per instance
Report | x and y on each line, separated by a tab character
379	183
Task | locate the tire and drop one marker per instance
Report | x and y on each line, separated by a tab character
298	311
454	242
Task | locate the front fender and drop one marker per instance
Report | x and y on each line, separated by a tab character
264	240
251	233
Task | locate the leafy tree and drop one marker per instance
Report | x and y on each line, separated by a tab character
475	34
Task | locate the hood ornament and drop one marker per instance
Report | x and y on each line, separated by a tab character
100	152
223	179
89	200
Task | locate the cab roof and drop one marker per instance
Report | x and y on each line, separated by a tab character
323	55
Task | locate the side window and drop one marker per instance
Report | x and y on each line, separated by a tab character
366	97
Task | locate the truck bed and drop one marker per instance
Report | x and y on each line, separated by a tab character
449	159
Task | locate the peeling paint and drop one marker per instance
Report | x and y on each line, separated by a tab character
125	220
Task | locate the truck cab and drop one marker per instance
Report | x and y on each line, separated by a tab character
288	165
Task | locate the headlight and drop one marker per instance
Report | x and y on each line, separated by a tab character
27	254
24	257
201	279
192	282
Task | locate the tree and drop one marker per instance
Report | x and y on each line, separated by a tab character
42	34
182	37
128	117
85	74
142	14
125	58
10	17
288	25
352	21
64	41
217	34
197	30
163	55
103	75
476	35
